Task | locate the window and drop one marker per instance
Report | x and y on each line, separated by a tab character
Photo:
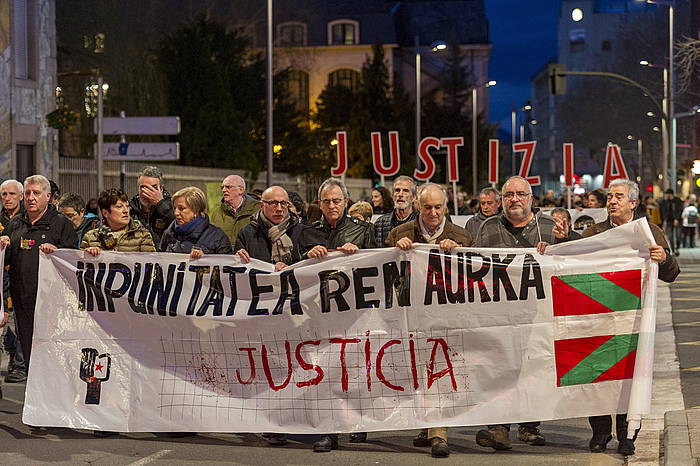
343	32
23	38
577	40
298	89
25	161
344	77
291	34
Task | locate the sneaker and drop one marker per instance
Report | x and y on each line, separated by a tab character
494	437
599	443
276	440
16	376
358	437
530	435
625	447
421	439
439	448
326	443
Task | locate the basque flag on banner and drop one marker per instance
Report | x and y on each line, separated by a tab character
598	358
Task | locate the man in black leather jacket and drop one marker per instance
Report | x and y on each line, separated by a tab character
336	230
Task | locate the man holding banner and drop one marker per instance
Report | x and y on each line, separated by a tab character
622	200
516	227
431	227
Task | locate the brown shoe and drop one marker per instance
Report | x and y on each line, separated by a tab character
439	448
421	439
495	437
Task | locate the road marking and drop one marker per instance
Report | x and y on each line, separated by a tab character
692	369
685	299
691	343
692	309
12	400
150	458
688	324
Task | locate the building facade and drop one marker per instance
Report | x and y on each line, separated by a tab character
27	88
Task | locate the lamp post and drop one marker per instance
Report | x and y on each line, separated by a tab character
269	142
639	156
513	132
474	118
437	45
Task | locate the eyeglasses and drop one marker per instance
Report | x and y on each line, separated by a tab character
335	201
230	186
276	203
519	194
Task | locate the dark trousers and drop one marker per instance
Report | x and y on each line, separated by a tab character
527	425
12	345
25	331
602	426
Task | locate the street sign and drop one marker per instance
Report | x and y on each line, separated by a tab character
139	125
140	151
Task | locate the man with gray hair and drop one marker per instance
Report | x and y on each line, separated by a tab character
12	193
489	205
335	231
152	206
404	192
40	228
236	209
622	201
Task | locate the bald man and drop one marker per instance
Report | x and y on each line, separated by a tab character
236	208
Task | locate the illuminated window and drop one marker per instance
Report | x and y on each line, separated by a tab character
343	32
91	97
344	77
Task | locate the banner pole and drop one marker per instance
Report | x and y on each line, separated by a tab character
568	197
454	197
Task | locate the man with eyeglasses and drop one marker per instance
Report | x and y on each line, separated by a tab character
622	200
273	233
404	192
236	208
517	226
335	231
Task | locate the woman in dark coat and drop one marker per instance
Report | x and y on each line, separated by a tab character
191	233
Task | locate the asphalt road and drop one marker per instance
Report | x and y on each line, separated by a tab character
685	296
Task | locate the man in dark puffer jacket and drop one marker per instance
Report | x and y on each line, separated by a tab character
273	233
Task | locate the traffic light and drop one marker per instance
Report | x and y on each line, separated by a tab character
557	80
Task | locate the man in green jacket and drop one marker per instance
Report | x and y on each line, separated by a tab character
236	208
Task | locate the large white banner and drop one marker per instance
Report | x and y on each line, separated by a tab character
379	340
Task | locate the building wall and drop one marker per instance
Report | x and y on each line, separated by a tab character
25	102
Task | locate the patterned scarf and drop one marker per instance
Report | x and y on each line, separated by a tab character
431	239
281	242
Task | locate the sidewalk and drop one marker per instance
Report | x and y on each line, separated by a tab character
681	434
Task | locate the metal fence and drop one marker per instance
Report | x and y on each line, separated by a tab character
79	175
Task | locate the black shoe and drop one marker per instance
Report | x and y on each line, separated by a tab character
326	443
439	448
16	376
421	440
599	443
358	437
625	447
276	440
104	433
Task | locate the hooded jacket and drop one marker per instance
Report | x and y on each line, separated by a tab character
23	252
232	223
211	239
496	232
136	238
347	230
254	238
158	219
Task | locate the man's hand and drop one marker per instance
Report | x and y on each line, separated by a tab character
559	230
5	317
448	244
657	253
348	248
47	248
243	254
279	266
93	250
152	195
541	246
318	251
196	253
4	241
404	243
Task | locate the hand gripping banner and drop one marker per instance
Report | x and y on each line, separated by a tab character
379	340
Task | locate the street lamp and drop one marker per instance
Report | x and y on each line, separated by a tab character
666	142
514	129
435	46
474	117
639	156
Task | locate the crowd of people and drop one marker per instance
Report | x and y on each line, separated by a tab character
278	227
